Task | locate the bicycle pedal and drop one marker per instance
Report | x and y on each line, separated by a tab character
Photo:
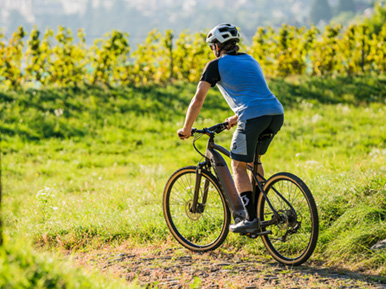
254	235
251	235
264	233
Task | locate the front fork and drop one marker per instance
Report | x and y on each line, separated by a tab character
196	206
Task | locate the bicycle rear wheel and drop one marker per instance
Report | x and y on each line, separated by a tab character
295	235
207	228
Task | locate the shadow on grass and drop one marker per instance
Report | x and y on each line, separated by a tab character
73	112
360	90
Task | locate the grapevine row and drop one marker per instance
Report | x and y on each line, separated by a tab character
60	60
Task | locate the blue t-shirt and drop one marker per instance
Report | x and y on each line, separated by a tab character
241	81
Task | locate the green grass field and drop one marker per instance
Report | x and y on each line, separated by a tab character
22	268
83	168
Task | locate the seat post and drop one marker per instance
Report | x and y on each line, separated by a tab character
256	160
255	189
256	164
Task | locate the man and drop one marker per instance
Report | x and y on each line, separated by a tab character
241	81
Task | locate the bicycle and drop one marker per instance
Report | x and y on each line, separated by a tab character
197	205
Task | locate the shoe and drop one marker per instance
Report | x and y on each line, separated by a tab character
245	226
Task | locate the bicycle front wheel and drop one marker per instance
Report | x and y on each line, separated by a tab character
207	228
295	233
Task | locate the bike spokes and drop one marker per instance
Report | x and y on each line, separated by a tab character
295	227
201	224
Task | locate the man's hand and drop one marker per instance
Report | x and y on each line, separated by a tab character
184	133
232	121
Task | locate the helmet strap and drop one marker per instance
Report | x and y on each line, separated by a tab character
234	50
219	51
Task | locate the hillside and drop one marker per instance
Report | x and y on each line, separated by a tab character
85	168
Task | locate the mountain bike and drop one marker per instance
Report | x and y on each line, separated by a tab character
199	202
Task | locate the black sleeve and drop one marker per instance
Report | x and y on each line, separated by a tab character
211	73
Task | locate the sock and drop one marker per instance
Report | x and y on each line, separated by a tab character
248	203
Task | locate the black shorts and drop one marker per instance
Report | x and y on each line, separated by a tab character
245	138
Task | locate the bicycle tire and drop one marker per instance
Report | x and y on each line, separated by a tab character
196	232
302	241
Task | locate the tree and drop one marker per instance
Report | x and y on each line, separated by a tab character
378	19
1	208
323	56
11	60
320	10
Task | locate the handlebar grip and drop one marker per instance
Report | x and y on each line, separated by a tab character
192	132
219	127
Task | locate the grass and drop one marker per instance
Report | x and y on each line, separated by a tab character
21	267
86	167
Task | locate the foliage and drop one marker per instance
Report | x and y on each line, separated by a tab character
324	56
377	21
377	50
11	59
67	67
59	61
191	55
154	59
291	52
109	60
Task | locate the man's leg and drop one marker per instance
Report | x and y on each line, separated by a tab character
241	178
244	187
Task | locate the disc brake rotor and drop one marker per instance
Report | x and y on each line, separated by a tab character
192	216
288	220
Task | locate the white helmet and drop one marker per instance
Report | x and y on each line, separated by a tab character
223	33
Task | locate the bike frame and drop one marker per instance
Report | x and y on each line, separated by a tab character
214	159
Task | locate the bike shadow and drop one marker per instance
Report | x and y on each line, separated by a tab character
313	271
320	269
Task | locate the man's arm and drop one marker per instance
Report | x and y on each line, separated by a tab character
194	109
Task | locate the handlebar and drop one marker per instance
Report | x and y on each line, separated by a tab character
211	131
217	128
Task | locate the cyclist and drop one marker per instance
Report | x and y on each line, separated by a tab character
240	79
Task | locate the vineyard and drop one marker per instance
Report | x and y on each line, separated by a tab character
88	141
61	59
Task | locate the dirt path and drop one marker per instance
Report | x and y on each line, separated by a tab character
180	268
